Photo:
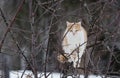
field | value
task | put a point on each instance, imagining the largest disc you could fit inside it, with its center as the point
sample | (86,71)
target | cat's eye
(76,31)
(70,30)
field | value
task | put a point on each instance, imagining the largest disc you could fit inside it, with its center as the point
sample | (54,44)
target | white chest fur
(75,40)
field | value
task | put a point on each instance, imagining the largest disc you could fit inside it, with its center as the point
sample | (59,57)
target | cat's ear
(79,23)
(68,23)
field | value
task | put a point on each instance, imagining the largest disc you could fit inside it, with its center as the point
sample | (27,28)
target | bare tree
(32,31)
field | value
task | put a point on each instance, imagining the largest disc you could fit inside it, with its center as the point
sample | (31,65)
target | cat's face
(73,27)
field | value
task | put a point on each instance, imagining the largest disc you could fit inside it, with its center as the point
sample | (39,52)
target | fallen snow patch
(29,74)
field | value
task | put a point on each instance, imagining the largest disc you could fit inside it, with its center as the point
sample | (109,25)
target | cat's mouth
(73,34)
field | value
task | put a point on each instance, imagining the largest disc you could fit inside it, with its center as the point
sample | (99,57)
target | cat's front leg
(77,62)
(74,58)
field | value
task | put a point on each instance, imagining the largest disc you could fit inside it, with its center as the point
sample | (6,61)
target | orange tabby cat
(74,43)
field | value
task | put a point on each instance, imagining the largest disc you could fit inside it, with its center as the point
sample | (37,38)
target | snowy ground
(28,74)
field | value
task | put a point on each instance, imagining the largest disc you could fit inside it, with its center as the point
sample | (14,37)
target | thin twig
(11,24)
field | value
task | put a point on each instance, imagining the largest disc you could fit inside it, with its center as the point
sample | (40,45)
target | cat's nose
(73,33)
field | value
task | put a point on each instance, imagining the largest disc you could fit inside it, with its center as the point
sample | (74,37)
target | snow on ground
(28,74)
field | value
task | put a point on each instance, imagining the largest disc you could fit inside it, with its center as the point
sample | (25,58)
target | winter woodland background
(31,34)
